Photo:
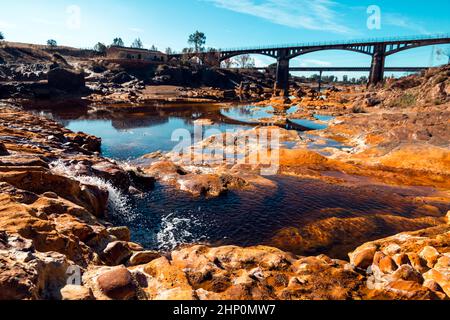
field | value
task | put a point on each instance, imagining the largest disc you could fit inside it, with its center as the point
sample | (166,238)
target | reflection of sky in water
(132,137)
(252,113)
(133,143)
(311,124)
(248,113)
(323,117)
(318,144)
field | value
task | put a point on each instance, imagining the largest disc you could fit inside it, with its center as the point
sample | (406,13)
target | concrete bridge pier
(377,67)
(282,81)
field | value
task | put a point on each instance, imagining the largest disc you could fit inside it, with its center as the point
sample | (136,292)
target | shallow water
(130,134)
(251,113)
(165,218)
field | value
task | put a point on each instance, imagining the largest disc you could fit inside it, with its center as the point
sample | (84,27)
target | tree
(345,79)
(169,51)
(137,43)
(197,40)
(153,48)
(228,63)
(245,61)
(100,48)
(2,37)
(363,80)
(52,43)
(118,42)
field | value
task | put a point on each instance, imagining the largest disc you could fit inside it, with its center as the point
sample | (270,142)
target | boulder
(401,259)
(410,290)
(441,278)
(387,265)
(117,284)
(66,80)
(417,262)
(121,78)
(116,253)
(121,233)
(407,273)
(363,256)
(209,184)
(141,180)
(26,274)
(164,170)
(111,172)
(430,255)
(76,293)
(143,257)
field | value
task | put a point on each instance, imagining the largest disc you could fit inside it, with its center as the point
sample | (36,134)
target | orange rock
(363,256)
(442,278)
(419,157)
(430,255)
(387,265)
(117,284)
(76,293)
(410,290)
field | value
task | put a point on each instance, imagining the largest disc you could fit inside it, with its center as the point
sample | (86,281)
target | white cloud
(6,25)
(262,61)
(301,14)
(136,30)
(314,63)
(44,21)
(398,20)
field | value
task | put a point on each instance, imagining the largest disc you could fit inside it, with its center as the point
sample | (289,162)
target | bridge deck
(358,42)
(338,69)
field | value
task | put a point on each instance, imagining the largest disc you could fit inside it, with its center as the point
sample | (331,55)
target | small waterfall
(118,202)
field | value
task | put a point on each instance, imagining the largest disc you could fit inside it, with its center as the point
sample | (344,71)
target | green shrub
(405,100)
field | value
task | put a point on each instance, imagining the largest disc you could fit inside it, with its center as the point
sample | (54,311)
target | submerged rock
(209,184)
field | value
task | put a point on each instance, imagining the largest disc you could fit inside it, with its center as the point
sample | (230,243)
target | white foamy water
(175,231)
(117,201)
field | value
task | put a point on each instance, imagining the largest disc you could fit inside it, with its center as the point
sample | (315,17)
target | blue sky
(229,23)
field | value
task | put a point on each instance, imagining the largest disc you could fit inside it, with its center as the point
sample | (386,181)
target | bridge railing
(340,42)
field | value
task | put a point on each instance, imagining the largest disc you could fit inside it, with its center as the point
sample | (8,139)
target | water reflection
(166,217)
(131,133)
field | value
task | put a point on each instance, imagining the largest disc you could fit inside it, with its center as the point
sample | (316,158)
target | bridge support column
(282,81)
(378,62)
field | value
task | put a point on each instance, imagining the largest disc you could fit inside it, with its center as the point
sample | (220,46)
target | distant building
(135,55)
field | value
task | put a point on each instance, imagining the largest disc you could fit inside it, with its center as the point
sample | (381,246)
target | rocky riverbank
(57,191)
(54,204)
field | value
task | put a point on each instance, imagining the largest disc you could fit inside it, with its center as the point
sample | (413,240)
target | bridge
(378,49)
(336,69)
